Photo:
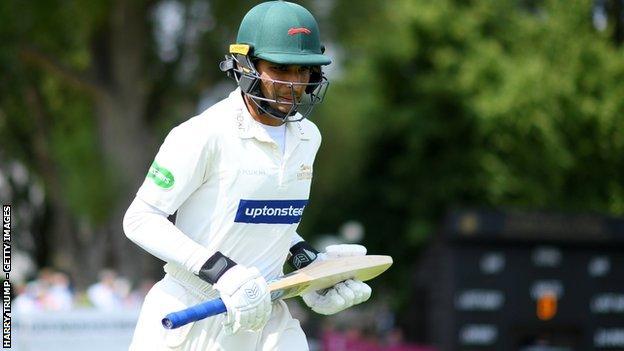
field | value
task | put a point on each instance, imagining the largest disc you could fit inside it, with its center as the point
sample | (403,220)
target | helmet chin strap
(265,108)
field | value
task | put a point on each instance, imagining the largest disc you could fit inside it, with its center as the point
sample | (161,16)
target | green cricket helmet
(284,33)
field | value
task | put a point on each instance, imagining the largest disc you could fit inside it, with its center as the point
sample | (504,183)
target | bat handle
(194,313)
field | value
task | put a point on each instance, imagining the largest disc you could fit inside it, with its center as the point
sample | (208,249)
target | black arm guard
(215,267)
(302,254)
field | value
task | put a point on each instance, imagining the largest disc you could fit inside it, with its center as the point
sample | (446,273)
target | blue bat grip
(203,310)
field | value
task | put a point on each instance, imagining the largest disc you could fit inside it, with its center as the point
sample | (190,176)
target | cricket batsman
(238,175)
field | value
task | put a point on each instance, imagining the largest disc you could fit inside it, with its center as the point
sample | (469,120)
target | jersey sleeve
(179,168)
(296,239)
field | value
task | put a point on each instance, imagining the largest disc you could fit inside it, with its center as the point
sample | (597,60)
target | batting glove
(246,296)
(342,295)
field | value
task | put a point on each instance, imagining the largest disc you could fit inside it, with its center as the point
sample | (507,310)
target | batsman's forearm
(149,228)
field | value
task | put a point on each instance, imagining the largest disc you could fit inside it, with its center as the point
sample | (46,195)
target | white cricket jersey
(278,134)
(233,188)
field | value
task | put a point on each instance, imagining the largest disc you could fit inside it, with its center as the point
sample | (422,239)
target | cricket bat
(316,276)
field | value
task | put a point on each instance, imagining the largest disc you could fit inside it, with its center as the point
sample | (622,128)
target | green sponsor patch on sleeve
(161,176)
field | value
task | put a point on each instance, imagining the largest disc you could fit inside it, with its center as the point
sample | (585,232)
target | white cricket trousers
(174,292)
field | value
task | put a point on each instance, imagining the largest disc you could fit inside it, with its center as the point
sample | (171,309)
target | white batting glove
(246,296)
(342,295)
(343,250)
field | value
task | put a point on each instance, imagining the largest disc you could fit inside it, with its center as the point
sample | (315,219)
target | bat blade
(316,276)
(325,274)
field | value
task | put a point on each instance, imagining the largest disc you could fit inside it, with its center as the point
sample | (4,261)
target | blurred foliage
(64,124)
(434,105)
(446,104)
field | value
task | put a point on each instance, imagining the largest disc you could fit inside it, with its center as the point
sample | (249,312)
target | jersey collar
(248,128)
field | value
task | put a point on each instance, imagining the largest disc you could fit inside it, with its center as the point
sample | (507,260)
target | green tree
(466,103)
(87,94)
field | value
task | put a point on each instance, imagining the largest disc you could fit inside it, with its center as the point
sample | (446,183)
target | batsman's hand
(342,295)
(246,296)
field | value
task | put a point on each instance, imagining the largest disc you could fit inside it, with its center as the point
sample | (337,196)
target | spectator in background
(27,300)
(58,295)
(104,294)
(51,291)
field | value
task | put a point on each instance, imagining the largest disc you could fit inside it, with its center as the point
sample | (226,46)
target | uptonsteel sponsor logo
(270,211)
(267,211)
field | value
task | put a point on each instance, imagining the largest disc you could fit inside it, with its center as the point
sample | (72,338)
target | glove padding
(342,295)
(246,296)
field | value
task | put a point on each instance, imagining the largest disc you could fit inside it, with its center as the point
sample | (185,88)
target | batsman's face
(282,92)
